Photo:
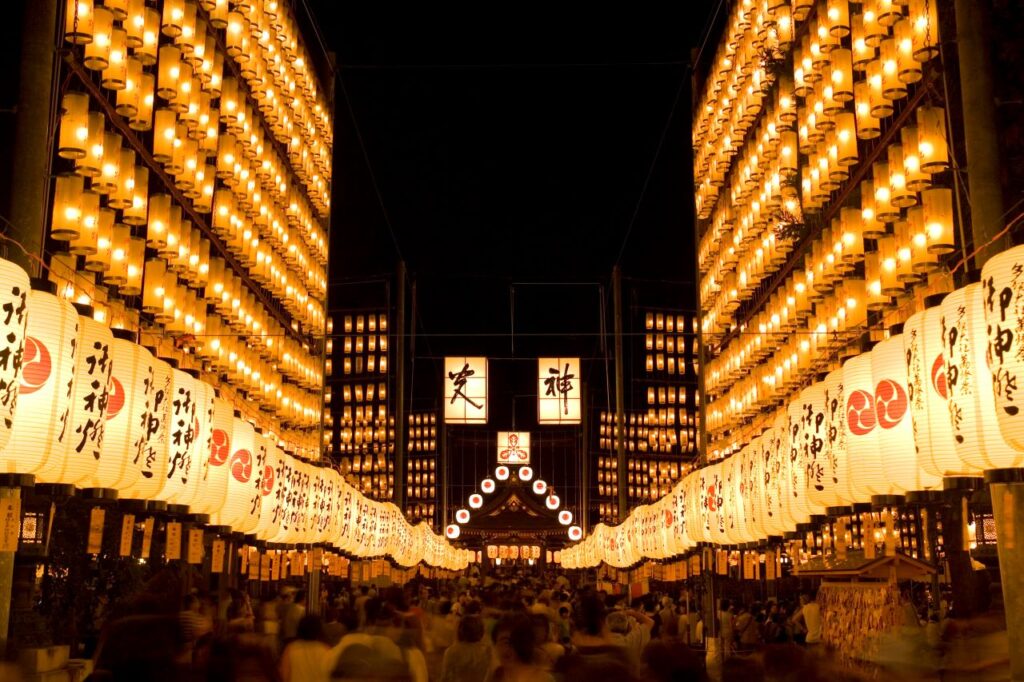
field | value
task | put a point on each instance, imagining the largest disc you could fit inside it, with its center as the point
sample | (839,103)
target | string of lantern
(85,405)
(937,398)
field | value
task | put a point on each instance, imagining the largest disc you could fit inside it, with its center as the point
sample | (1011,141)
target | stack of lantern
(86,406)
(216,219)
(936,399)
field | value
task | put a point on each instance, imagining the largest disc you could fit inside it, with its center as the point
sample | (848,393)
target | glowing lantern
(127,427)
(218,451)
(540,486)
(1004,311)
(153,462)
(928,393)
(462,516)
(273,489)
(182,469)
(525,473)
(501,473)
(807,451)
(487,485)
(835,482)
(565,517)
(85,427)
(453,531)
(863,462)
(44,397)
(553,502)
(973,410)
(575,533)
(895,432)
(237,511)
(476,500)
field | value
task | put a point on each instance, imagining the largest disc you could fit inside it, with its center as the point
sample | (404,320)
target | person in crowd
(547,651)
(632,629)
(748,631)
(807,619)
(513,638)
(669,618)
(293,612)
(240,617)
(595,652)
(304,658)
(469,658)
(443,626)
(726,626)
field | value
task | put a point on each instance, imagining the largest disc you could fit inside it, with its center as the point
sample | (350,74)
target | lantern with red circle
(575,533)
(273,490)
(565,517)
(238,510)
(864,464)
(553,501)
(487,486)
(44,397)
(525,473)
(218,451)
(476,500)
(540,486)
(131,388)
(501,473)
(462,516)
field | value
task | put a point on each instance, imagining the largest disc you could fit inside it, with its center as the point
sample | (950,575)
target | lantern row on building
(85,405)
(772,143)
(201,185)
(937,398)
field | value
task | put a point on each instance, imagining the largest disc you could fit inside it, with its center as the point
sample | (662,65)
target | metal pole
(981,136)
(620,397)
(442,474)
(585,483)
(399,491)
(32,152)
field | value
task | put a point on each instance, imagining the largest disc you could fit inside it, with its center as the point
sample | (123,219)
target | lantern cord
(369,167)
(1009,226)
(650,169)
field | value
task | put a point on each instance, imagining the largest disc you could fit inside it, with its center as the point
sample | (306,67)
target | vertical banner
(10,517)
(173,549)
(265,567)
(769,564)
(275,565)
(254,563)
(868,526)
(147,536)
(127,534)
(217,560)
(298,564)
(243,552)
(96,518)
(195,546)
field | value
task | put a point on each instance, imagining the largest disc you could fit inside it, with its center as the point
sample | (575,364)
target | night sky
(509,151)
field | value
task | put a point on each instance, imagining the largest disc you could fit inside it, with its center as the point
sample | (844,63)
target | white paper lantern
(972,406)
(476,500)
(153,463)
(239,511)
(758,513)
(565,517)
(86,425)
(131,389)
(216,485)
(864,465)
(540,486)
(895,422)
(453,531)
(525,473)
(806,414)
(1004,314)
(747,489)
(501,473)
(837,488)
(38,439)
(462,516)
(776,453)
(273,490)
(14,291)
(203,428)
(575,533)
(553,501)
(929,394)
(183,472)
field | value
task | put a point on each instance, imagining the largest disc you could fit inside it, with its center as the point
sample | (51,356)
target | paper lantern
(462,516)
(39,434)
(476,501)
(835,481)
(776,454)
(747,490)
(217,454)
(553,501)
(501,473)
(91,388)
(153,463)
(540,486)
(273,489)
(863,462)
(525,473)
(565,517)
(14,291)
(179,448)
(487,485)
(806,415)
(239,511)
(127,416)
(928,393)
(575,533)
(1004,312)
(973,412)
(895,428)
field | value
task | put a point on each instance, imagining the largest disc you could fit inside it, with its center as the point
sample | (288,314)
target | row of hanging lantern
(935,399)
(87,406)
(803,133)
(887,41)
(539,487)
(190,44)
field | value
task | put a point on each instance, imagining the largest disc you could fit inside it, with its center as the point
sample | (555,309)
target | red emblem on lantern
(890,403)
(241,465)
(220,447)
(115,401)
(939,376)
(36,366)
(860,413)
(267,485)
(711,498)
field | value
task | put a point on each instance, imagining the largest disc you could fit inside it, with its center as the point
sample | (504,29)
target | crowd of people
(507,629)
